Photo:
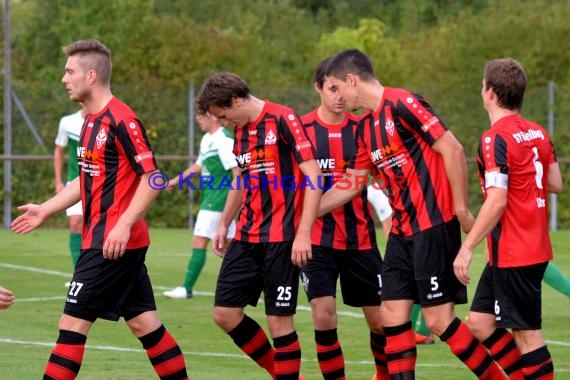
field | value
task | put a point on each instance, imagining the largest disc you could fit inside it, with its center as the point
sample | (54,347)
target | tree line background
(437,48)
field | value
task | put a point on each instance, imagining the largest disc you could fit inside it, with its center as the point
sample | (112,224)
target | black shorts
(420,267)
(359,272)
(250,268)
(109,289)
(513,295)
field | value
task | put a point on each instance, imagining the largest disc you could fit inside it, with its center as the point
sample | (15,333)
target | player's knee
(479,326)
(324,321)
(226,318)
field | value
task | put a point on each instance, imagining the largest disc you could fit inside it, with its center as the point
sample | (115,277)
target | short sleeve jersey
(68,136)
(350,226)
(113,153)
(269,151)
(515,155)
(396,140)
(216,158)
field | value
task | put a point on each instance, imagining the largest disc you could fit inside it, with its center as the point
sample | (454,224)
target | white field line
(226,355)
(198,293)
(36,270)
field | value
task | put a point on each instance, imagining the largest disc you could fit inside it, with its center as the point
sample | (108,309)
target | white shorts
(380,202)
(76,209)
(207,224)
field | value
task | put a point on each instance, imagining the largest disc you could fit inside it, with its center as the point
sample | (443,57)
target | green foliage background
(437,48)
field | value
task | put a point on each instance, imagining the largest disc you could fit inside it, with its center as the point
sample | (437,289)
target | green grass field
(37,265)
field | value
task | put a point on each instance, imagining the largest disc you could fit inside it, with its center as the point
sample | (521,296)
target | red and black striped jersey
(269,151)
(515,155)
(397,138)
(113,153)
(350,226)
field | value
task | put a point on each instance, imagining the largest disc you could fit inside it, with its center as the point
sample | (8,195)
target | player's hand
(466,220)
(6,298)
(172,184)
(116,242)
(32,217)
(220,241)
(301,252)
(461,265)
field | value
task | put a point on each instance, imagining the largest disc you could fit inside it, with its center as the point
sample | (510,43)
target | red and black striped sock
(537,364)
(503,350)
(287,357)
(329,354)
(378,346)
(253,341)
(164,354)
(401,351)
(66,357)
(470,351)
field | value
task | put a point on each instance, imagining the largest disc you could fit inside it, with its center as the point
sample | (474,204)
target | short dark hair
(507,79)
(351,61)
(219,90)
(319,74)
(97,57)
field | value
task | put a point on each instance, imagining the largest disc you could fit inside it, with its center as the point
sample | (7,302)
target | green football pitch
(37,265)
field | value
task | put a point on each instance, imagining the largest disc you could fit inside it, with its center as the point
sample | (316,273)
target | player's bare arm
(456,168)
(301,252)
(231,208)
(58,161)
(34,215)
(194,168)
(487,219)
(555,182)
(116,242)
(343,191)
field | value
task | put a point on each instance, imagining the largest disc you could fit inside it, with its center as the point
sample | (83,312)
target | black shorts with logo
(251,268)
(109,289)
(513,295)
(359,271)
(420,267)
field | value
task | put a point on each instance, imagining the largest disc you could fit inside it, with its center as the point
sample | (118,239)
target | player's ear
(91,76)
(351,79)
(237,101)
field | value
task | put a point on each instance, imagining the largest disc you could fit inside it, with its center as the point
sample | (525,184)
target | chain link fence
(165,113)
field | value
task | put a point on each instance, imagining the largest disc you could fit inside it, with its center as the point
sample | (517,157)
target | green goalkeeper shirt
(216,159)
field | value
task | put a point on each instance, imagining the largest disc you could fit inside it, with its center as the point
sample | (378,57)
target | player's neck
(498,113)
(330,117)
(372,96)
(214,129)
(255,106)
(98,101)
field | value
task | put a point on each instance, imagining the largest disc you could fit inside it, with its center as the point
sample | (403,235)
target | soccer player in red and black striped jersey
(423,167)
(344,240)
(517,167)
(277,196)
(110,279)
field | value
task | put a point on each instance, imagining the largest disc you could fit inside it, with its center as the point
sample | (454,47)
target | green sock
(418,322)
(195,266)
(556,279)
(414,316)
(422,328)
(74,247)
